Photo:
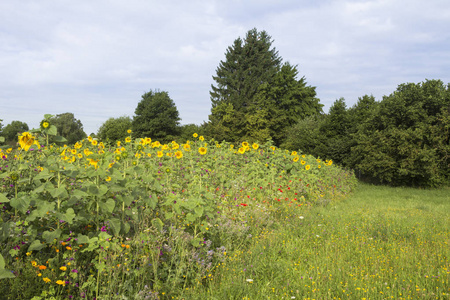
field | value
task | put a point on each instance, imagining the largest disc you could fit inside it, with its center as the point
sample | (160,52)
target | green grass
(379,243)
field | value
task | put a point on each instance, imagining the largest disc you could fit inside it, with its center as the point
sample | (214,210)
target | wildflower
(63,268)
(34,263)
(160,154)
(255,146)
(45,124)
(46,280)
(108,178)
(242,150)
(202,150)
(296,159)
(307,167)
(127,139)
(129,131)
(61,282)
(179,154)
(201,138)
(249,280)
(301,217)
(42,267)
(68,248)
(28,253)
(195,135)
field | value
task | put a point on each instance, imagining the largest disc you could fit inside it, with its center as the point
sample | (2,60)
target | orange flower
(42,267)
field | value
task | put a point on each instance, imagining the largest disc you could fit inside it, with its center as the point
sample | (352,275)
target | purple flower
(103,228)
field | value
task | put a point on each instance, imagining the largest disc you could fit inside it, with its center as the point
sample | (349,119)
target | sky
(96,59)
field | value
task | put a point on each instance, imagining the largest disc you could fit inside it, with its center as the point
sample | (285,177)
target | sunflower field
(141,219)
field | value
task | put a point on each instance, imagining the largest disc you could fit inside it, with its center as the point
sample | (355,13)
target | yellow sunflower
(26,140)
(202,150)
(179,154)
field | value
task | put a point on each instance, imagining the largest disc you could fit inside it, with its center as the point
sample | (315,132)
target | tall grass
(379,243)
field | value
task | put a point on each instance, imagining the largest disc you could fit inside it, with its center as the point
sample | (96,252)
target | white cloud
(96,59)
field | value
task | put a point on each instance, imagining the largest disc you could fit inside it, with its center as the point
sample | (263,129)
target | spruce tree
(256,96)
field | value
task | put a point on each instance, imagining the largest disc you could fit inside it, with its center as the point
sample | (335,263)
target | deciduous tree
(156,116)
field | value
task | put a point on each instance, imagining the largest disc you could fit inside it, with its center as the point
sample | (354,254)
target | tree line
(401,140)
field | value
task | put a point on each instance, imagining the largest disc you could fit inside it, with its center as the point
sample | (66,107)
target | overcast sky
(97,58)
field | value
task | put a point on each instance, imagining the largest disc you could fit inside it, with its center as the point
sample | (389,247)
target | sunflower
(187,147)
(129,131)
(160,154)
(303,162)
(201,138)
(255,146)
(242,150)
(26,140)
(179,154)
(245,144)
(195,135)
(307,167)
(202,150)
(127,139)
(296,159)
(45,124)
(294,153)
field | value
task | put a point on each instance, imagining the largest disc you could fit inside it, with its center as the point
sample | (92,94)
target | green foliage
(256,97)
(68,127)
(87,220)
(11,131)
(114,129)
(2,138)
(405,140)
(187,131)
(156,116)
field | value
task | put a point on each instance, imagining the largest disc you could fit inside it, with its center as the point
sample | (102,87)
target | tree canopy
(115,129)
(156,116)
(11,131)
(256,97)
(68,127)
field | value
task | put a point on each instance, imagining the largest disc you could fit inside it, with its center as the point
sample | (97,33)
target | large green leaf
(36,245)
(50,236)
(108,206)
(114,224)
(3,198)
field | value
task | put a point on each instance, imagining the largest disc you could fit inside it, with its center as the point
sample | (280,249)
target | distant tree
(115,129)
(249,63)
(68,127)
(187,131)
(405,140)
(305,136)
(2,138)
(156,116)
(283,102)
(255,96)
(11,131)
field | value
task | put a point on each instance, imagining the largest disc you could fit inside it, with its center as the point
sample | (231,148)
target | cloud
(96,59)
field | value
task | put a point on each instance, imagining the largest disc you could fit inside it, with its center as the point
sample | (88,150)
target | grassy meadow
(379,243)
(139,219)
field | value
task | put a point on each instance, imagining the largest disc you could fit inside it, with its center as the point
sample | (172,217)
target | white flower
(301,217)
(249,280)
(317,235)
